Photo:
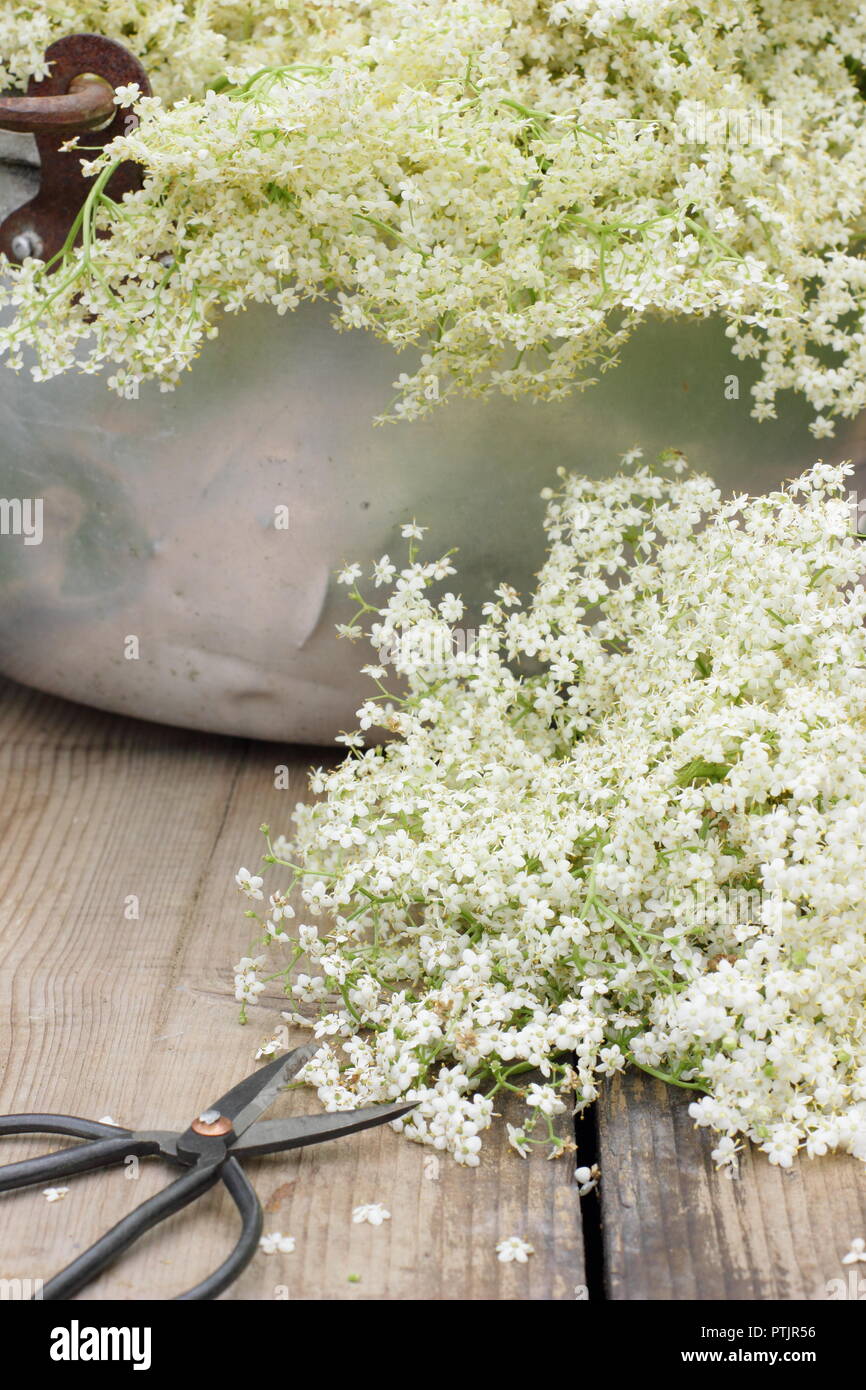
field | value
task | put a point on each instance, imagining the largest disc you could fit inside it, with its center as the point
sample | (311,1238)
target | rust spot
(278,1196)
(80,69)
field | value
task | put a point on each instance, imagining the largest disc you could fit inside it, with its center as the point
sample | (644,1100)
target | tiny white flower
(725,1153)
(127,95)
(587,1179)
(281,908)
(54,1194)
(353,740)
(517,1139)
(383,571)
(374,1214)
(513,1248)
(275,1243)
(507,594)
(822,428)
(451,608)
(251,884)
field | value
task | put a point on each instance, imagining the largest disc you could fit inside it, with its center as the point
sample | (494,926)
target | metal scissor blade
(272,1136)
(251,1097)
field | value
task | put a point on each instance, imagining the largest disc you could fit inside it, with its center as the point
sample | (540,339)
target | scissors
(209,1152)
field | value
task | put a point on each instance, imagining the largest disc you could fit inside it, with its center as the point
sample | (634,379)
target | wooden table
(106,1013)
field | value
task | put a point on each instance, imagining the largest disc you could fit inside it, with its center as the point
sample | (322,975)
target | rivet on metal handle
(76,97)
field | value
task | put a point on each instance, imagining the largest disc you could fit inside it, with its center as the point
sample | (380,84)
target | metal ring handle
(73,1125)
(250,1208)
(103,1252)
(84,71)
(82,1158)
(88,104)
(110,1144)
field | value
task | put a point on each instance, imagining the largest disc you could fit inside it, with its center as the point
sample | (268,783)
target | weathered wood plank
(675,1228)
(134,1018)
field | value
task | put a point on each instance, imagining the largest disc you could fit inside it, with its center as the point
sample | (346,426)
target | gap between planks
(136,1019)
(674,1228)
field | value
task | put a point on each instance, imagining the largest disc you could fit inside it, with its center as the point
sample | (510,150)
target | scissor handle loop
(73,1125)
(110,1144)
(250,1208)
(179,1194)
(126,1232)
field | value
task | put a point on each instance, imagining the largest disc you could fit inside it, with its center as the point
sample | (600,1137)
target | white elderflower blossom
(383,571)
(587,1179)
(645,847)
(726,1154)
(248,986)
(469,180)
(251,884)
(275,1243)
(373,1214)
(513,1249)
(127,95)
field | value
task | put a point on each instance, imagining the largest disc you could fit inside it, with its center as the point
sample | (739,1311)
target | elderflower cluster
(625,825)
(505,187)
(184,44)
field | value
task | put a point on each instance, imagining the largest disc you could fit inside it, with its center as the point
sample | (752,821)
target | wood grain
(135,1018)
(675,1228)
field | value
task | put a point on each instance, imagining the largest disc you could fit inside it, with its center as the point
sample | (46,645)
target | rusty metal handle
(83,74)
(88,104)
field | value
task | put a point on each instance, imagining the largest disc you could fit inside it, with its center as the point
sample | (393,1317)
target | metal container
(164,585)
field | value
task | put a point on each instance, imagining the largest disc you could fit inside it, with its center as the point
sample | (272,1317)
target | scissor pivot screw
(210,1124)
